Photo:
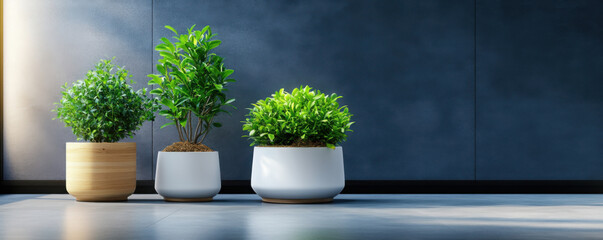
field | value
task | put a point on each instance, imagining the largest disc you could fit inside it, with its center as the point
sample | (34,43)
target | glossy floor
(425,216)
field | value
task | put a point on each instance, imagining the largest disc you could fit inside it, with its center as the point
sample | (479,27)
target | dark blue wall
(440,89)
(405,69)
(539,90)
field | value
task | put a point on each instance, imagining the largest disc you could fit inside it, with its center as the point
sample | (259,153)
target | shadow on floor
(11,198)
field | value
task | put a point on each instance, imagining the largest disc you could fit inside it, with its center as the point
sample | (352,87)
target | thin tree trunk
(204,135)
(190,126)
(207,127)
(198,136)
(197,132)
(179,131)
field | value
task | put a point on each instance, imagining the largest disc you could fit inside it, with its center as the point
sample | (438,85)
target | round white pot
(188,176)
(297,174)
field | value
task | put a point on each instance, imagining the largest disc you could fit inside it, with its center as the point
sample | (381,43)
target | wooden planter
(100,172)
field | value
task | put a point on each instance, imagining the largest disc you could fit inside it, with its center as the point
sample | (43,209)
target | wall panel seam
(475,90)
(152,87)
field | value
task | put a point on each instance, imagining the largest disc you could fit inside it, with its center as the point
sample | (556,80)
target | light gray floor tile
(241,216)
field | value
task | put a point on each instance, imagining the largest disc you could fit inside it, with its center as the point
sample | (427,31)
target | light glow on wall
(48,44)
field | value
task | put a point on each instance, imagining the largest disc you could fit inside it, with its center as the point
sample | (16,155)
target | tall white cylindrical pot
(297,174)
(188,176)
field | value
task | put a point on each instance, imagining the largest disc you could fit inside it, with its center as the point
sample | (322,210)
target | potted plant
(191,84)
(296,159)
(102,109)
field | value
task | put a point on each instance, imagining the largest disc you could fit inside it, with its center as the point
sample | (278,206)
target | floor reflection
(348,217)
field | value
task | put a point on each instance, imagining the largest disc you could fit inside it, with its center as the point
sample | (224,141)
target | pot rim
(188,152)
(100,142)
(286,147)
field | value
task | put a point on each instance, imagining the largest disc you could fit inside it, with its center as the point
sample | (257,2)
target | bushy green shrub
(103,107)
(303,117)
(191,83)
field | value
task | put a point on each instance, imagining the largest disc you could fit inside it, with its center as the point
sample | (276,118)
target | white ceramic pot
(188,176)
(297,174)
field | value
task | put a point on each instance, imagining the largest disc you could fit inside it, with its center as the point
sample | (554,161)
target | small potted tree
(296,159)
(102,109)
(191,84)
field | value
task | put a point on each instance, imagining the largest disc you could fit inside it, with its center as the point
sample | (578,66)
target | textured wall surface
(404,68)
(409,70)
(539,90)
(49,43)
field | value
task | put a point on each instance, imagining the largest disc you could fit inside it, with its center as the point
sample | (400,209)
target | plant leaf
(167,124)
(171,29)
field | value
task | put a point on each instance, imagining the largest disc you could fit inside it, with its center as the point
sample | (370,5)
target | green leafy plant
(303,117)
(191,83)
(103,107)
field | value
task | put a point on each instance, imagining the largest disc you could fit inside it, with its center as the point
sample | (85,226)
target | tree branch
(189,125)
(197,132)
(207,127)
(179,130)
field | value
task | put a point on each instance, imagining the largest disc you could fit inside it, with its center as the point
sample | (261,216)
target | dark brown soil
(187,147)
(300,144)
